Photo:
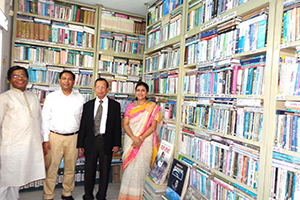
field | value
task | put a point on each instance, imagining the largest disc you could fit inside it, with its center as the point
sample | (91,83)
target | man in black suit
(98,137)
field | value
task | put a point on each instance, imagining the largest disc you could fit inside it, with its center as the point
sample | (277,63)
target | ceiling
(131,6)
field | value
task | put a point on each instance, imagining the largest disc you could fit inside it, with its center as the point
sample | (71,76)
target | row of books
(285,184)
(122,43)
(289,75)
(59,11)
(166,58)
(244,79)
(35,29)
(213,45)
(29,53)
(120,86)
(242,122)
(169,28)
(168,110)
(42,91)
(204,184)
(233,160)
(287,131)
(121,66)
(167,132)
(122,22)
(227,40)
(290,24)
(50,75)
(202,11)
(161,8)
(164,83)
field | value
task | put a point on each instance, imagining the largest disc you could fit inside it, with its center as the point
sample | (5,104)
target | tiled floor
(112,193)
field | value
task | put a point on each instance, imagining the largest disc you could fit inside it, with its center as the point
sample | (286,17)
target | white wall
(6,46)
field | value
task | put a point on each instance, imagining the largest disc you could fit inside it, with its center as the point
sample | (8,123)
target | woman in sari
(140,143)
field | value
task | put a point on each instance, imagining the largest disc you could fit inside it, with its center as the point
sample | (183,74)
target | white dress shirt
(104,113)
(61,113)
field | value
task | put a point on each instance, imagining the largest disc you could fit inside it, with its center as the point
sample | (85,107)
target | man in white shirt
(61,117)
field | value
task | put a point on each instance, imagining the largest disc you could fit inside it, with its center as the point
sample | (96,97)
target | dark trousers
(91,167)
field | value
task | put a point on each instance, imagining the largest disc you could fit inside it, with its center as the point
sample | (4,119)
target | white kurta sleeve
(46,118)
(3,109)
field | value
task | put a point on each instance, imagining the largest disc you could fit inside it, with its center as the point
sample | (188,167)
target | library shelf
(162,70)
(287,98)
(217,173)
(286,152)
(166,16)
(120,32)
(232,137)
(121,54)
(241,10)
(161,45)
(54,19)
(52,44)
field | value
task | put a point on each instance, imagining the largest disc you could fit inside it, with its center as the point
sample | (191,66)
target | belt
(100,135)
(64,134)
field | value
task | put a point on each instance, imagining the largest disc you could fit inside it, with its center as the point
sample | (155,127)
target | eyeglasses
(19,76)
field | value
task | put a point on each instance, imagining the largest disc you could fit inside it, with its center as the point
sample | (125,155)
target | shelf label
(250,96)
(159,46)
(227,17)
(283,45)
(280,97)
(210,24)
(253,51)
(186,35)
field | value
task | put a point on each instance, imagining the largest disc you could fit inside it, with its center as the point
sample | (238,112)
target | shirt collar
(16,89)
(105,99)
(61,92)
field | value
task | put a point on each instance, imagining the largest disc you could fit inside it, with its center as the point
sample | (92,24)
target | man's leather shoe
(67,198)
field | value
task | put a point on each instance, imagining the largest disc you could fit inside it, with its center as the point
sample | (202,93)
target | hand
(46,147)
(136,141)
(81,150)
(115,149)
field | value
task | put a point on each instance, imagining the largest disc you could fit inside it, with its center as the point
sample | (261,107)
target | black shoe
(67,198)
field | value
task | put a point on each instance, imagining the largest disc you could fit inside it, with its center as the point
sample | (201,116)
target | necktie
(98,119)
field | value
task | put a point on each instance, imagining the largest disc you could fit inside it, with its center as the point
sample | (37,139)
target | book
(178,180)
(162,162)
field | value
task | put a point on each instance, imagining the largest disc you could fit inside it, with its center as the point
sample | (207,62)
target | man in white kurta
(21,153)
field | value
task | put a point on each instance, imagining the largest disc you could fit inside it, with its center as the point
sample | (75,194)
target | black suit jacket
(86,135)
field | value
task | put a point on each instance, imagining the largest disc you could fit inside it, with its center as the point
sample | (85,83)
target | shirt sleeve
(128,109)
(46,118)
(3,109)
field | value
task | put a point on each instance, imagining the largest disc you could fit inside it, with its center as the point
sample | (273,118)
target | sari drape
(136,161)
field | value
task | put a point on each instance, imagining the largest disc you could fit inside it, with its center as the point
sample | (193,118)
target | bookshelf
(163,60)
(50,36)
(220,45)
(120,51)
(284,145)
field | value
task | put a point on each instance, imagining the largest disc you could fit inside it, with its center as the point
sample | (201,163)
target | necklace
(141,104)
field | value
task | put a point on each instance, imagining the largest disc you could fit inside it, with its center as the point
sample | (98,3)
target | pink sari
(136,161)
